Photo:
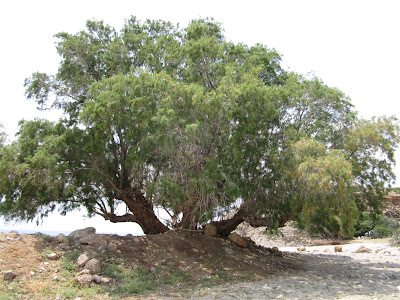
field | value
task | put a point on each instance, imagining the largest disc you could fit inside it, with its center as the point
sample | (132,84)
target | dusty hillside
(175,261)
(188,265)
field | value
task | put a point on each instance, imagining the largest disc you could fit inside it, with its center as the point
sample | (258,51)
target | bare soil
(212,268)
(200,262)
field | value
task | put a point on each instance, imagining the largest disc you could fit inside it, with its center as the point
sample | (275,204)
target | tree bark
(188,220)
(142,213)
(225,227)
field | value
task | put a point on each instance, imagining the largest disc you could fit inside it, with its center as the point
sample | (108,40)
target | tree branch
(117,219)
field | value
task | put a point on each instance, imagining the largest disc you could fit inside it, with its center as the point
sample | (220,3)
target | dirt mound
(195,260)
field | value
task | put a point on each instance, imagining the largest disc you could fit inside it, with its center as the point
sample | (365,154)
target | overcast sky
(352,45)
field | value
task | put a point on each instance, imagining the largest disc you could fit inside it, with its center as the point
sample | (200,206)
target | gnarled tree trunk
(142,213)
(225,227)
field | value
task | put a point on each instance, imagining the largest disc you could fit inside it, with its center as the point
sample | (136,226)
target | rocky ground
(325,274)
(200,267)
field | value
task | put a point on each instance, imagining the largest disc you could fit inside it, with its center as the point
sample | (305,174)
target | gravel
(325,274)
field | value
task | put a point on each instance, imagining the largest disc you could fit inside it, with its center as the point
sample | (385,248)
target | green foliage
(396,238)
(157,115)
(3,136)
(130,281)
(8,296)
(376,226)
(69,292)
(67,262)
(323,189)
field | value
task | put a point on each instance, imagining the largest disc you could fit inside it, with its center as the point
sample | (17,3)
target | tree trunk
(188,221)
(225,227)
(143,213)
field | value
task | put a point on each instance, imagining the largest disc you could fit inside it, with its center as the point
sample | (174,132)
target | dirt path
(345,275)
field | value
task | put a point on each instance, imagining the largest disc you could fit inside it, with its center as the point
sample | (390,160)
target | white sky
(353,45)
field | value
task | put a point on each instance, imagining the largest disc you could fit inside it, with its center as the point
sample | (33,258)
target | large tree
(158,116)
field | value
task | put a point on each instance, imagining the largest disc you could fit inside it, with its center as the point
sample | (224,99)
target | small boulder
(228,250)
(84,280)
(275,251)
(62,238)
(52,256)
(9,275)
(105,280)
(237,240)
(210,230)
(338,248)
(96,279)
(93,240)
(77,234)
(82,260)
(112,247)
(301,249)
(363,249)
(94,266)
(83,272)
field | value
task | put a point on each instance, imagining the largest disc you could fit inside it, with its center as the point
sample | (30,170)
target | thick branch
(259,222)
(225,227)
(117,219)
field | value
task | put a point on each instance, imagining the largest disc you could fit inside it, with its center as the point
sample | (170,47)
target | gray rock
(112,247)
(228,250)
(102,249)
(96,279)
(105,280)
(82,260)
(77,234)
(62,238)
(52,256)
(83,272)
(93,240)
(84,280)
(363,249)
(94,266)
(9,275)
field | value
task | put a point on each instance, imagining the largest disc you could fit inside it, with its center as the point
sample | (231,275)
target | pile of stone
(91,270)
(89,266)
(88,237)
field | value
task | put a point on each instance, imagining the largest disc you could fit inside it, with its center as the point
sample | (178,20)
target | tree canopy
(184,120)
